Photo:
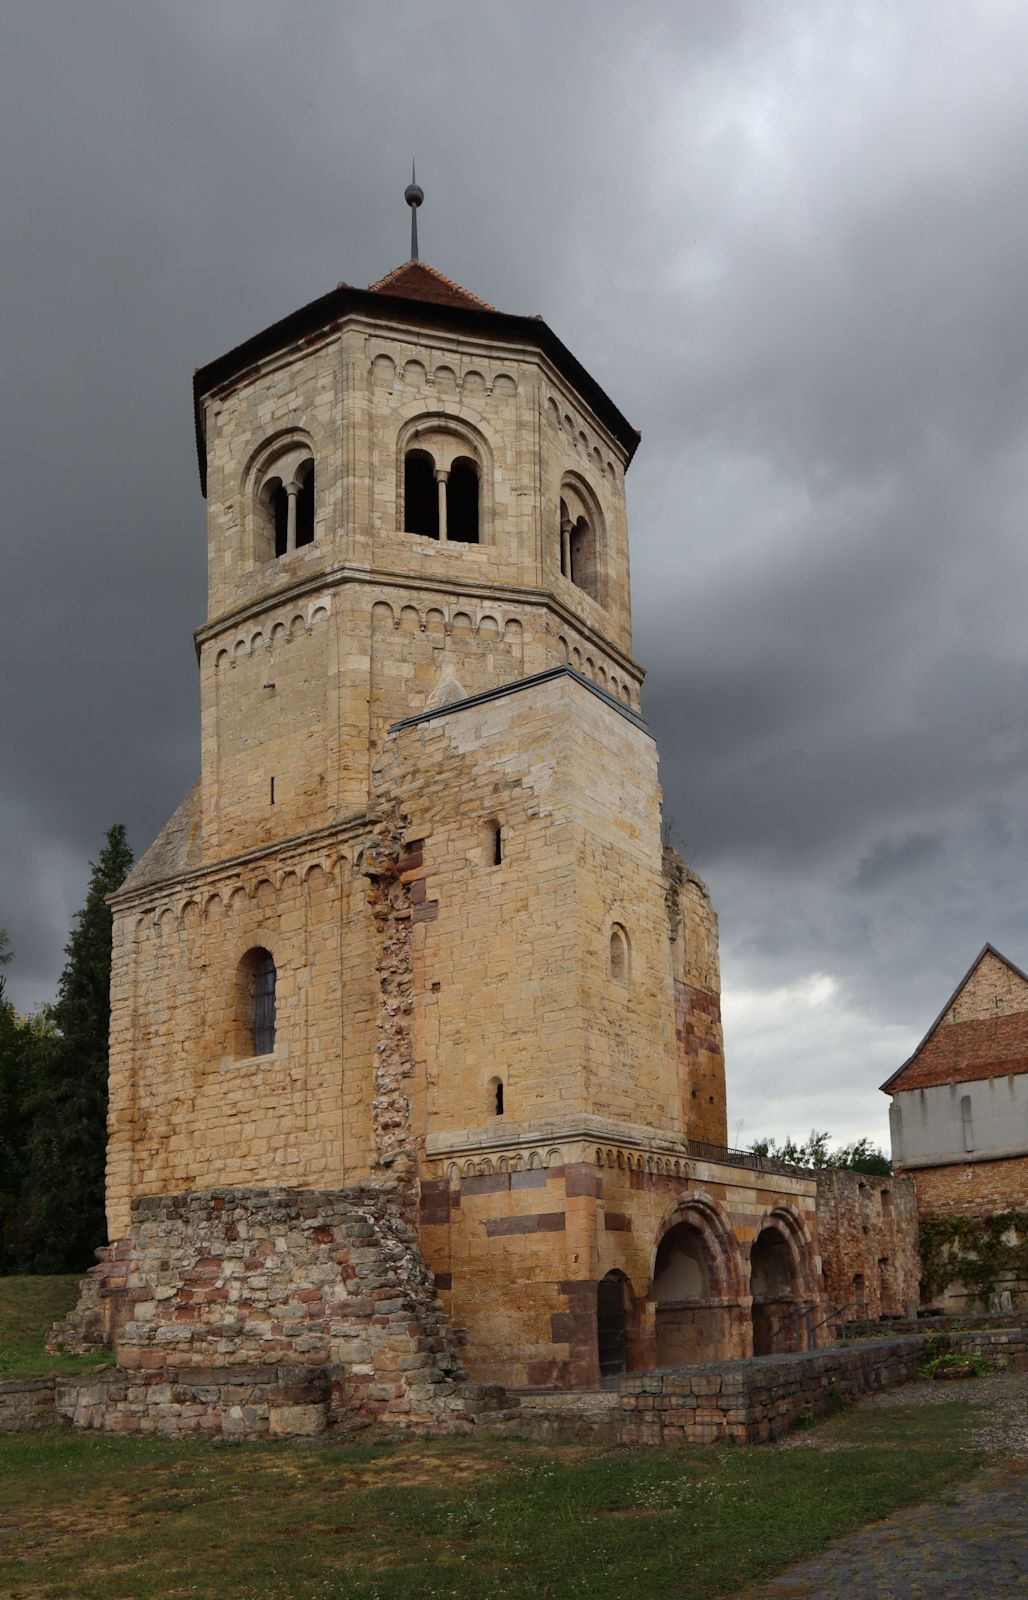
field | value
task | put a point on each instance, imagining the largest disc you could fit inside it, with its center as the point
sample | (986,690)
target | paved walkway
(969,1544)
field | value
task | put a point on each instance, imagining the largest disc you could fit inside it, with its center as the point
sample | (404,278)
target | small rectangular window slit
(272,791)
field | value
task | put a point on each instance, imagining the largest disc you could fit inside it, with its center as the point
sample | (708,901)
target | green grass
(29,1307)
(95,1517)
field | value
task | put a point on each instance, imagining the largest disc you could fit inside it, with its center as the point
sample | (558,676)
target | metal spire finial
(413,194)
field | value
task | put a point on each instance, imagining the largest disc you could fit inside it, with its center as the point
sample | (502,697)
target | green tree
(63,1206)
(12,1111)
(860,1156)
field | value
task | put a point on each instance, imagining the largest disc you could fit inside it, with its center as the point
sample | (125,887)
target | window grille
(264,1005)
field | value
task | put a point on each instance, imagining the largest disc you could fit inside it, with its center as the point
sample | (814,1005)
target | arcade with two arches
(709,1297)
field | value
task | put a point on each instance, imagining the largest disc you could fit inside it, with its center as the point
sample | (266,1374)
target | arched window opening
(256,1009)
(420,495)
(284,504)
(305,506)
(499,1099)
(584,563)
(493,844)
(619,954)
(611,1329)
(462,502)
(276,503)
(494,1097)
(565,540)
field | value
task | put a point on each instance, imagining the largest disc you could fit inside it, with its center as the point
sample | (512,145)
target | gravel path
(970,1544)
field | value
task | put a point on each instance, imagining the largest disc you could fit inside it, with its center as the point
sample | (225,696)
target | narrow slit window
(499,1099)
(493,844)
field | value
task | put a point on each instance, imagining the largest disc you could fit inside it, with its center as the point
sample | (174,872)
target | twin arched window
(441,502)
(285,504)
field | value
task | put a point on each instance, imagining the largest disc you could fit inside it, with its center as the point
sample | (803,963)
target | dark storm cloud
(789,240)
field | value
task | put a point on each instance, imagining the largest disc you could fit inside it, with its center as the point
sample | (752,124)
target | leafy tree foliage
(860,1156)
(62,1093)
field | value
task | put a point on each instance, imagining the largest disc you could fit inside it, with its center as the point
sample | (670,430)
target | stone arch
(382,615)
(583,537)
(454,447)
(280,470)
(697,1284)
(383,370)
(782,1283)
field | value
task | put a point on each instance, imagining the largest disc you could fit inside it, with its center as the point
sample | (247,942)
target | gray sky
(790,240)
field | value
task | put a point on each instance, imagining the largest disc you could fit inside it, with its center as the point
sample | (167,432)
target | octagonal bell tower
(411,497)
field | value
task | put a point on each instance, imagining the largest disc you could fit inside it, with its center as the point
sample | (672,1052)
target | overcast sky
(790,240)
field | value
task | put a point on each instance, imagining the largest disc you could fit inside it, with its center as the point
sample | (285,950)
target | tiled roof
(960,1052)
(416,280)
(954,1051)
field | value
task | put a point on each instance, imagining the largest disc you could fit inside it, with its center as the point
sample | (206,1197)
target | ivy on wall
(979,1251)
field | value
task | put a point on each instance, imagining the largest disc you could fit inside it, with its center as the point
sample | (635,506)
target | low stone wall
(1002,1347)
(752,1401)
(26,1403)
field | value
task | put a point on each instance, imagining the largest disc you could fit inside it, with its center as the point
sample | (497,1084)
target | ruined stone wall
(867,1227)
(273,1310)
(697,996)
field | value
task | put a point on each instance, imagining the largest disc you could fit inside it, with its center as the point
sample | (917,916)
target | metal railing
(704,1150)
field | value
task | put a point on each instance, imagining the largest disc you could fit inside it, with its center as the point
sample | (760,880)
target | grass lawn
(94,1517)
(29,1307)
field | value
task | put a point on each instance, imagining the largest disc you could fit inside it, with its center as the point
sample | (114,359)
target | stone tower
(415,928)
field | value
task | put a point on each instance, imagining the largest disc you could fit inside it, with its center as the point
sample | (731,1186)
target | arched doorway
(693,1321)
(776,1321)
(611,1327)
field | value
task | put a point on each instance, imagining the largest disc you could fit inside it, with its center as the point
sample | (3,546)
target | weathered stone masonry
(273,1312)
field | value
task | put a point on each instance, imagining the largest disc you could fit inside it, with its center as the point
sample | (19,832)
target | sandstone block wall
(190,1105)
(512,962)
(520,1239)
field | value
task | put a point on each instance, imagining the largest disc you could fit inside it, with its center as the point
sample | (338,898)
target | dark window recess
(462,503)
(611,1338)
(497,844)
(305,509)
(280,512)
(499,1099)
(264,1004)
(420,495)
(273,791)
(564,547)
